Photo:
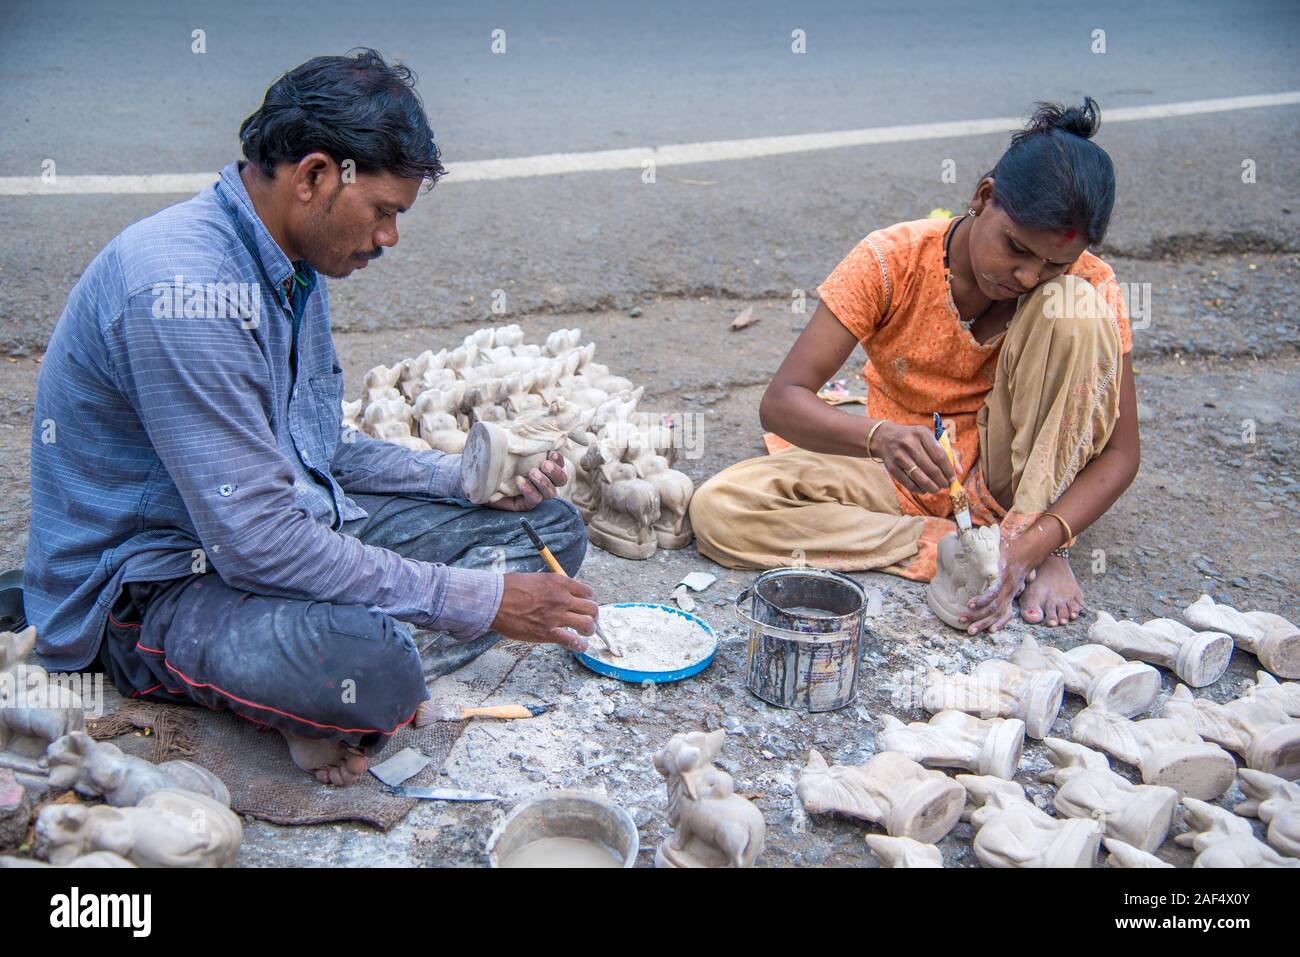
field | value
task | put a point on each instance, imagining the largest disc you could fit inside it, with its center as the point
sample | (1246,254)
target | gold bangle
(871,435)
(1069,533)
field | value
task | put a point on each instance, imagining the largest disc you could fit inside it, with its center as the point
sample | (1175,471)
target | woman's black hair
(1053,177)
(355,107)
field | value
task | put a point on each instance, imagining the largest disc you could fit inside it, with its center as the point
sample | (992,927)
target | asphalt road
(114,88)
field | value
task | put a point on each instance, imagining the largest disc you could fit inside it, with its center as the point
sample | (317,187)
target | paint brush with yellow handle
(429,712)
(960,507)
(556,567)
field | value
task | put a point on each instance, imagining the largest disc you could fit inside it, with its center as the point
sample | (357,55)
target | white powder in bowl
(651,639)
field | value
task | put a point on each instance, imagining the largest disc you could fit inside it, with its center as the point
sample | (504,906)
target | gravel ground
(1219,361)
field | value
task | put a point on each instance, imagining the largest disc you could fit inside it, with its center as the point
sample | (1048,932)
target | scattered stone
(16,806)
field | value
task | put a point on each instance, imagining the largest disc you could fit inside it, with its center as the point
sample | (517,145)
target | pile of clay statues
(137,814)
(504,404)
(1182,755)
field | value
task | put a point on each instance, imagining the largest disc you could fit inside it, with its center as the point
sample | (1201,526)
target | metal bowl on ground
(583,815)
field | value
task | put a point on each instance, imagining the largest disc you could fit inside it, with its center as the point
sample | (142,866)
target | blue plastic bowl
(658,677)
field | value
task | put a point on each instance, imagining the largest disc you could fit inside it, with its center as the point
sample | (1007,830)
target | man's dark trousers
(315,669)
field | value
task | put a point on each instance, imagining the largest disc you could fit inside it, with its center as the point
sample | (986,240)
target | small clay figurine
(33,710)
(999,689)
(967,567)
(1012,832)
(352,415)
(390,420)
(100,769)
(1137,814)
(1270,638)
(496,455)
(1126,856)
(426,371)
(903,852)
(1198,658)
(381,384)
(713,826)
(562,340)
(1167,751)
(1222,840)
(953,739)
(625,513)
(1261,725)
(673,527)
(980,787)
(891,790)
(166,829)
(1103,678)
(1276,802)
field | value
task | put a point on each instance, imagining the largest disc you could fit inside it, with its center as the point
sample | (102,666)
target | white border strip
(553,164)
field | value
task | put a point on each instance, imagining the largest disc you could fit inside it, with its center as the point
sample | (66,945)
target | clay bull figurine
(715,827)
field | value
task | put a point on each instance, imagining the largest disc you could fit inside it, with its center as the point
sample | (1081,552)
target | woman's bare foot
(1052,596)
(330,761)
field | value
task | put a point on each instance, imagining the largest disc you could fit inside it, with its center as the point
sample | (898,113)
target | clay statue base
(695,854)
(485,461)
(1127,689)
(622,547)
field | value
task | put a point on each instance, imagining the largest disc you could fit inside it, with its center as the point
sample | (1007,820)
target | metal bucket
(805,637)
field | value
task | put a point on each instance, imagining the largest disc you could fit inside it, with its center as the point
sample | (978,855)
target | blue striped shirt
(187,419)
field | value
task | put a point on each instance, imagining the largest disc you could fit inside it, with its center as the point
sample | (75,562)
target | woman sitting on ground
(1002,322)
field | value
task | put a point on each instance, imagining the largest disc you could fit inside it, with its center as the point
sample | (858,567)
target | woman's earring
(970,210)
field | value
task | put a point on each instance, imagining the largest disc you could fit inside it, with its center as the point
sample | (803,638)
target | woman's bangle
(871,435)
(1069,533)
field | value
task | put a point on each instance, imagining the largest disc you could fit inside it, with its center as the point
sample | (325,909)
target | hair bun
(1082,121)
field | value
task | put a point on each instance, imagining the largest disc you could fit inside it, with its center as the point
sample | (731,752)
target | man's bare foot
(330,761)
(1052,596)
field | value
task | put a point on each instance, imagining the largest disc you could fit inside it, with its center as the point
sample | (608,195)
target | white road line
(551,164)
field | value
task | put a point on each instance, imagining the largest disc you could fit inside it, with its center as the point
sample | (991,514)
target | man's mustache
(379,251)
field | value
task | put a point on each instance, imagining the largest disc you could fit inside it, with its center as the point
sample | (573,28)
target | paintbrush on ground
(431,712)
(960,506)
(556,567)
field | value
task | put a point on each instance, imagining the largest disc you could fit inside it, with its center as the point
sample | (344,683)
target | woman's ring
(911,470)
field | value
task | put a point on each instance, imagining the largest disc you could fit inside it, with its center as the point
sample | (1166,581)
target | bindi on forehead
(1067,237)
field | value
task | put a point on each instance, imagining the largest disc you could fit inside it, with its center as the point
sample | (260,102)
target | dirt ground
(1212,510)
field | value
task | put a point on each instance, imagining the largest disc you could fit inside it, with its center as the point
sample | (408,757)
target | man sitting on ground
(201,523)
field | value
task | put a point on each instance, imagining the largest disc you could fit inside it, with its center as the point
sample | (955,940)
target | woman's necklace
(947,276)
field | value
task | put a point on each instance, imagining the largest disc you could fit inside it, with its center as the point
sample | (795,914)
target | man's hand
(546,608)
(540,483)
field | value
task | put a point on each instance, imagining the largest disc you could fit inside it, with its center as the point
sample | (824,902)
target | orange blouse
(891,293)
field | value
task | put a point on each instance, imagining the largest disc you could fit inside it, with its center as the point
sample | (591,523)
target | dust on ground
(1213,509)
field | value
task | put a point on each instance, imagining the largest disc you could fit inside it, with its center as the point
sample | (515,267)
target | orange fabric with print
(891,292)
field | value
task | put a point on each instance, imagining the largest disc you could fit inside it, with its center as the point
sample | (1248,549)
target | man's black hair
(1053,176)
(356,107)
